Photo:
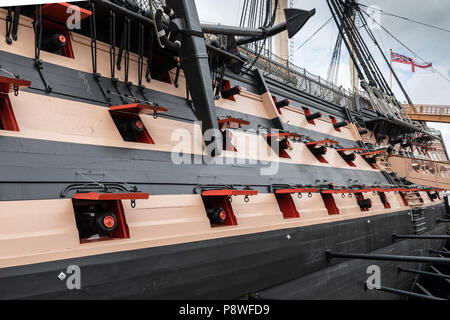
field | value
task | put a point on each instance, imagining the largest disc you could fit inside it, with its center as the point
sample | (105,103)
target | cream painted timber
(250,146)
(426,199)
(360,163)
(248,103)
(394,200)
(30,227)
(54,119)
(399,165)
(377,205)
(269,105)
(311,208)
(347,206)
(264,107)
(335,159)
(255,147)
(41,243)
(261,210)
(403,167)
(167,216)
(81,46)
(301,153)
(296,116)
(172,135)
(50,118)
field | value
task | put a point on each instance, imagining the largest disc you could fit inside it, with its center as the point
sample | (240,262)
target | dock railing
(422,171)
(426,112)
(279,69)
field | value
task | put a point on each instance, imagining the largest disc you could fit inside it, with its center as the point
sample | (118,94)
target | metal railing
(422,171)
(299,78)
(283,70)
(427,109)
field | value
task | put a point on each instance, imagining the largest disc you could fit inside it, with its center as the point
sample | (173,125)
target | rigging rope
(406,47)
(313,35)
(333,69)
(404,18)
(259,14)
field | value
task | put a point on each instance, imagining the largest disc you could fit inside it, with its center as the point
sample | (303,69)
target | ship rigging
(109,163)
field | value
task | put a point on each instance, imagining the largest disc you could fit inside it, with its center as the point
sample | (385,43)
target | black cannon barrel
(313,116)
(363,131)
(340,124)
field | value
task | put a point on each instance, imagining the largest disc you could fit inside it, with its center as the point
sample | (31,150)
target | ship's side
(273,242)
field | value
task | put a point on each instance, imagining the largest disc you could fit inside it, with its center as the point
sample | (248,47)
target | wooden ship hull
(64,153)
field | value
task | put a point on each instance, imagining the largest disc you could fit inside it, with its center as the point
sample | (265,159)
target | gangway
(428,112)
(422,171)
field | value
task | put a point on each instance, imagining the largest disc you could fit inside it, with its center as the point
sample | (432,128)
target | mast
(390,69)
(282,39)
(354,78)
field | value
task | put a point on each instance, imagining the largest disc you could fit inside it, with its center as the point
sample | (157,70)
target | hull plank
(174,244)
(234,266)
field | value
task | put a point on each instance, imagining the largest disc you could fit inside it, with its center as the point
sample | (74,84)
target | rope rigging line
(313,35)
(333,69)
(404,18)
(401,43)
(259,14)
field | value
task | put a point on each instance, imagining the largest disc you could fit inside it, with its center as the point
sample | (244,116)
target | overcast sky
(430,44)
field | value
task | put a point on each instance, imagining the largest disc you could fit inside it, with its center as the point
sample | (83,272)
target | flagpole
(390,69)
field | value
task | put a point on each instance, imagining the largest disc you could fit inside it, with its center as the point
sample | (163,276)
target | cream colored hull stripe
(45,230)
(255,105)
(84,123)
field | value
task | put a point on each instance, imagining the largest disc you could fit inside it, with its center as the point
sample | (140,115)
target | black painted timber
(41,169)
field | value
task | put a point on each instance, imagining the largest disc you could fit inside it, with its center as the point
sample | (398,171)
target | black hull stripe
(231,267)
(41,169)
